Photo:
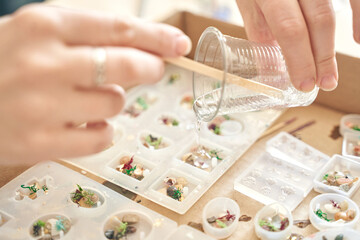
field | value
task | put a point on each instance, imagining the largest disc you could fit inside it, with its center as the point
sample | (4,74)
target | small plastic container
(348,233)
(215,207)
(257,62)
(338,163)
(272,210)
(350,141)
(321,224)
(346,121)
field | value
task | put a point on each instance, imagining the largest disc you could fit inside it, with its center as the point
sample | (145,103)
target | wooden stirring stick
(230,78)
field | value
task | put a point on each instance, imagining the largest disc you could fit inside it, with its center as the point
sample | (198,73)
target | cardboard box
(346,98)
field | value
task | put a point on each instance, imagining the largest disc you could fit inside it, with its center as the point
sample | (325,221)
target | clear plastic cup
(257,62)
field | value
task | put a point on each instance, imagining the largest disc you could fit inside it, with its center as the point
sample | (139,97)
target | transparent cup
(262,63)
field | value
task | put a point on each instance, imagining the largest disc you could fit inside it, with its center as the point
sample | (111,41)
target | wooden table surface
(317,135)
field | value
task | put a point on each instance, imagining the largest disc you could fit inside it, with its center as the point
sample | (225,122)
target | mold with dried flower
(129,225)
(50,227)
(154,142)
(130,167)
(223,220)
(275,223)
(175,188)
(140,105)
(343,180)
(205,158)
(33,189)
(224,126)
(333,211)
(86,198)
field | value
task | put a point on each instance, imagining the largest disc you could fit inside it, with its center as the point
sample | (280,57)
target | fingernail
(328,83)
(308,85)
(183,45)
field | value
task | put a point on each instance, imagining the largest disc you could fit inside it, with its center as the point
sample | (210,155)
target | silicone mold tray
(86,223)
(279,174)
(17,215)
(171,98)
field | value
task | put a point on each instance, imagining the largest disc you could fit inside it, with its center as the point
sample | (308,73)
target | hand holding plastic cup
(261,63)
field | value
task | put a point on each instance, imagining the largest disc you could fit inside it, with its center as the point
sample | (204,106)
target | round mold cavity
(215,207)
(144,227)
(54,225)
(271,210)
(101,201)
(322,199)
(228,128)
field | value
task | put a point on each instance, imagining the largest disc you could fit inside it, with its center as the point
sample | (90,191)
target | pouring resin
(256,62)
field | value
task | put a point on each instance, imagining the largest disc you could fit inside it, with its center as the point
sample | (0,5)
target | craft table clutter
(58,204)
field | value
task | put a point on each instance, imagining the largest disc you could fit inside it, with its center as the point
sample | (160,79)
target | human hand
(305,31)
(47,76)
(355,5)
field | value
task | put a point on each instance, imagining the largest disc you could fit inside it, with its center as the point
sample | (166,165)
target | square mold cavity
(264,187)
(160,145)
(34,189)
(130,180)
(210,157)
(4,218)
(295,151)
(350,141)
(158,190)
(340,164)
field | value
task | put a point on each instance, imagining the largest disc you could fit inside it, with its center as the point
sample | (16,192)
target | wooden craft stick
(203,69)
(277,127)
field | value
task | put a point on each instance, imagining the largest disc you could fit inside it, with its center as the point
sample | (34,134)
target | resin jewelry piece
(153,142)
(215,125)
(333,211)
(202,157)
(275,223)
(342,180)
(124,228)
(175,188)
(135,170)
(53,228)
(85,198)
(187,102)
(33,189)
(222,221)
(140,105)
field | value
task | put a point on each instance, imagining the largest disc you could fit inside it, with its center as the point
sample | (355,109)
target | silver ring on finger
(99,57)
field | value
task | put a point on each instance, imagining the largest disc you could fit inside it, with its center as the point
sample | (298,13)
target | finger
(80,141)
(287,23)
(355,5)
(126,67)
(320,19)
(256,27)
(90,28)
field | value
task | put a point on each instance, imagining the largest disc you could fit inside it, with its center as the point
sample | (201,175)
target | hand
(47,75)
(355,5)
(305,31)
